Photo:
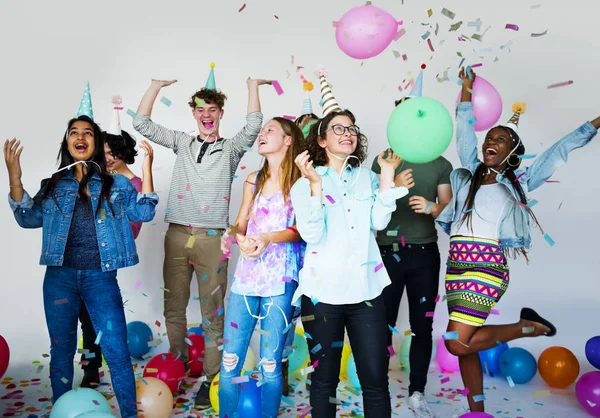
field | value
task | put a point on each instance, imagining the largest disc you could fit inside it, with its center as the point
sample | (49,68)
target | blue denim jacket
(115,239)
(514,227)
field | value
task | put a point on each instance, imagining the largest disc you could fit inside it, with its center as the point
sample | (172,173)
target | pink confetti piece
(437,299)
(402,241)
(552,181)
(378,267)
(336,24)
(331,200)
(494,312)
(315,364)
(180,196)
(240,379)
(291,228)
(225,256)
(288,117)
(430,44)
(464,392)
(445,380)
(277,87)
(286,279)
(157,323)
(520,175)
(391,351)
(404,57)
(215,291)
(401,32)
(188,187)
(264,210)
(304,412)
(564,83)
(477,65)
(61,301)
(429,314)
(511,27)
(138,284)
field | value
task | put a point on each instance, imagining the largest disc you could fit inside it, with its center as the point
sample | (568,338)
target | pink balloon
(588,393)
(446,361)
(487,104)
(4,356)
(476,415)
(365,31)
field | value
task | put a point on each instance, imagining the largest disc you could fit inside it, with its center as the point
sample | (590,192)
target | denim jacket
(514,227)
(115,239)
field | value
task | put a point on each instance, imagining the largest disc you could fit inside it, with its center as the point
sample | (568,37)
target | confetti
(215,291)
(157,323)
(528,330)
(199,102)
(511,27)
(138,284)
(277,87)
(307,318)
(165,101)
(430,45)
(205,276)
(404,57)
(397,257)
(64,380)
(541,393)
(510,381)
(336,24)
(526,156)
(240,379)
(402,241)
(423,299)
(437,298)
(288,117)
(407,333)
(394,330)
(494,312)
(562,84)
(131,113)
(98,337)
(456,26)
(429,314)
(242,8)
(392,233)
(331,200)
(549,240)
(532,203)
(451,335)
(378,267)
(479,398)
(316,348)
(188,341)
(190,242)
(401,32)
(425,35)
(391,351)
(369,304)
(429,13)
(445,380)
(537,35)
(448,13)
(276,17)
(61,301)
(337,344)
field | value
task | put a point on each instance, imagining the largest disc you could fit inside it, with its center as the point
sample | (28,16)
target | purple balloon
(588,393)
(592,351)
(476,415)
(365,31)
(487,104)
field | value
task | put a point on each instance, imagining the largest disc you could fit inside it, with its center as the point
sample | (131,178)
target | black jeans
(366,327)
(89,337)
(418,270)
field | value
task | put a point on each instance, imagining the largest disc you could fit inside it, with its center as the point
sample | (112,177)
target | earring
(517,163)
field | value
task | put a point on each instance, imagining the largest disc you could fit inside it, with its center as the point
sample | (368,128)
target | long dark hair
(318,131)
(122,146)
(513,163)
(65,158)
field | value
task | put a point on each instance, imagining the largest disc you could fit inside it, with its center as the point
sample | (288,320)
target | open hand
(148,155)
(467,81)
(392,161)
(163,83)
(257,81)
(12,157)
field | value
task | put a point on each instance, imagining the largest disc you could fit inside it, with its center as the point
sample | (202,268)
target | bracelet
(428,207)
(11,186)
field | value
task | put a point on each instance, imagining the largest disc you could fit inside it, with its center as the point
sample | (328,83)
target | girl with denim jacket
(266,273)
(487,219)
(84,213)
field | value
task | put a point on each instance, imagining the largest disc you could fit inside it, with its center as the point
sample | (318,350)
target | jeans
(275,314)
(367,331)
(64,290)
(93,360)
(418,270)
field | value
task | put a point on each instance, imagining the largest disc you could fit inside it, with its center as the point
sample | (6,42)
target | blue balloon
(592,351)
(250,401)
(79,401)
(518,364)
(352,373)
(138,336)
(196,330)
(96,415)
(491,359)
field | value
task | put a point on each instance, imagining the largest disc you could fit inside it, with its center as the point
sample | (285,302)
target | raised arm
(386,193)
(466,140)
(146,127)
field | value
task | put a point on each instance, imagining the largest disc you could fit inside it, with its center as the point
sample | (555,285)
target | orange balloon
(558,367)
(154,398)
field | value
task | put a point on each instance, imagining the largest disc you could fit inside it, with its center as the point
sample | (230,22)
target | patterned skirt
(476,278)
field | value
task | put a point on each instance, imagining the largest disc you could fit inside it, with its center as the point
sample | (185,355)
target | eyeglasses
(341,129)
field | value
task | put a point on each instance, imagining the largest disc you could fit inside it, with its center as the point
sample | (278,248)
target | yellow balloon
(346,352)
(154,398)
(250,361)
(213,393)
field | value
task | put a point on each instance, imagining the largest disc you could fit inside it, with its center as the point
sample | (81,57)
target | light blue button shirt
(343,264)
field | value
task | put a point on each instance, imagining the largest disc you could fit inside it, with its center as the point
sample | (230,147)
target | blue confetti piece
(532,203)
(394,330)
(168,211)
(98,337)
(90,355)
(287,400)
(337,344)
(314,300)
(235,177)
(113,196)
(549,240)
(109,325)
(469,210)
(196,298)
(461,63)
(469,74)
(247,148)
(165,101)
(316,348)
(422,300)
(131,113)
(479,398)
(369,263)
(211,232)
(287,328)
(425,35)
(397,257)
(164,357)
(219,269)
(220,312)
(308,336)
(205,276)
(452,335)
(526,156)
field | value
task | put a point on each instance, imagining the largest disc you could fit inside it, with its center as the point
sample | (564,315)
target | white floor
(24,393)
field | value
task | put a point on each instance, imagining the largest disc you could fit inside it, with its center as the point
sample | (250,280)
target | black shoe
(91,378)
(202,400)
(530,315)
(284,376)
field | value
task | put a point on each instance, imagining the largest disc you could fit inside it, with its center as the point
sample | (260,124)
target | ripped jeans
(241,317)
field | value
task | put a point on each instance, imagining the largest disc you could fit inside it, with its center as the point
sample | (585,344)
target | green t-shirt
(416,228)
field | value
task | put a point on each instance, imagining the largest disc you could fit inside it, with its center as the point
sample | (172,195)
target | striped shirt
(199,192)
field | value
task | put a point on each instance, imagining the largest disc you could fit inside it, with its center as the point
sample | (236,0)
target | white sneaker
(419,406)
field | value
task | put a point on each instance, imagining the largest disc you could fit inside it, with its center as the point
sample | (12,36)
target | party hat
(115,122)
(307,104)
(85,108)
(518,109)
(417,91)
(328,102)
(210,83)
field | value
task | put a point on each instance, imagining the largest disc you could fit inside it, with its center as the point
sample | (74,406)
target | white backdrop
(50,49)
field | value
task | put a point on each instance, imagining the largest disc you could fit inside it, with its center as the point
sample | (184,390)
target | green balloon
(419,130)
(404,354)
(306,129)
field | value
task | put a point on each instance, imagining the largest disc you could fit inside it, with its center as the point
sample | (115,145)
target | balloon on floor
(196,330)
(250,360)
(346,352)
(154,398)
(196,354)
(446,361)
(592,352)
(4,356)
(299,356)
(167,368)
(476,415)
(518,364)
(352,373)
(403,353)
(490,359)
(365,31)
(79,401)
(249,404)
(588,393)
(213,392)
(139,335)
(558,367)
(97,414)
(487,104)
(420,129)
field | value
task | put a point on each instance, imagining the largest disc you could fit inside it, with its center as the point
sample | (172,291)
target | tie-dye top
(280,263)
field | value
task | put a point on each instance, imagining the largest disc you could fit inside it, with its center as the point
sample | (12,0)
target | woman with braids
(488,219)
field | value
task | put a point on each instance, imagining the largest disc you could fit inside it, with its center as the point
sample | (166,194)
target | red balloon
(196,354)
(167,368)
(4,356)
